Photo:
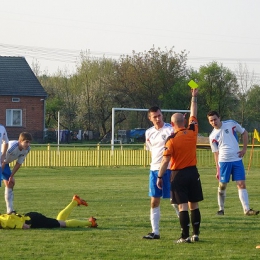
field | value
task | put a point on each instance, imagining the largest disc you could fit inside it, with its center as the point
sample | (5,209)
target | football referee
(180,151)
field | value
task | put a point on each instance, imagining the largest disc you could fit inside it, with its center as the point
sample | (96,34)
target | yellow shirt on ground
(12,221)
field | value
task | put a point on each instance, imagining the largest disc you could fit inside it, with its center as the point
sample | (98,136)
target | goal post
(114,109)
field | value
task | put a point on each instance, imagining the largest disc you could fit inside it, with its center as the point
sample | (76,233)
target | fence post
(98,154)
(49,155)
(144,155)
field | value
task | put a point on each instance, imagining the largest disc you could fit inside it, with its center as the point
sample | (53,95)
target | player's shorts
(37,220)
(154,191)
(1,176)
(6,173)
(236,169)
(186,186)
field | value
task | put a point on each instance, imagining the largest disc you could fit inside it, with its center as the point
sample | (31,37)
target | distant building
(22,99)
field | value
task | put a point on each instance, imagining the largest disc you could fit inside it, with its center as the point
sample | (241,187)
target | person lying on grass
(38,220)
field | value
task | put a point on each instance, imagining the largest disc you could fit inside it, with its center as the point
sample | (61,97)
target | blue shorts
(6,173)
(236,169)
(1,177)
(154,191)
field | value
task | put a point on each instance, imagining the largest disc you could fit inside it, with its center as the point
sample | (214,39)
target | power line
(72,56)
(52,54)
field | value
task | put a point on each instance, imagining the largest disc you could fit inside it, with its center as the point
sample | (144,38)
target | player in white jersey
(228,158)
(155,140)
(17,150)
(4,143)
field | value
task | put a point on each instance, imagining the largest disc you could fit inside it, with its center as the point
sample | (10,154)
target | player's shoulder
(13,144)
(229,122)
(213,133)
(2,127)
(150,129)
(167,125)
(167,129)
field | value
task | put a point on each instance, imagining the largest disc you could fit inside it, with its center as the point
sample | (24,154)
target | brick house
(22,99)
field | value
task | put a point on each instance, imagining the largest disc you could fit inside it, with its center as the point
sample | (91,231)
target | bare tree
(245,81)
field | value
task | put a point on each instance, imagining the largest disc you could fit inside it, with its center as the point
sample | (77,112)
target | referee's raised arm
(193,106)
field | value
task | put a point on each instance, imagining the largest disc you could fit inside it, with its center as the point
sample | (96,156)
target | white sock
(243,196)
(155,219)
(9,199)
(175,206)
(221,198)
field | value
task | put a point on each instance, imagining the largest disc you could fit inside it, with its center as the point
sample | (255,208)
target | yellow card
(193,84)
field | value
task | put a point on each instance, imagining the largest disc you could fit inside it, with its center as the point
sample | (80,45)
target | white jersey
(3,137)
(225,141)
(155,141)
(14,153)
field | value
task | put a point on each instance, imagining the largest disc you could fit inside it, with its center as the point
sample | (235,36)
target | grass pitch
(118,198)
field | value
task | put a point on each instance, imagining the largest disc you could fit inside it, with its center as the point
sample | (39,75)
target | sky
(52,33)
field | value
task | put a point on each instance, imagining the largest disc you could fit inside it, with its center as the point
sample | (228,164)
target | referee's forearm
(163,167)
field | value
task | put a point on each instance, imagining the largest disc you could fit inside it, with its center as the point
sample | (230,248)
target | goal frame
(114,109)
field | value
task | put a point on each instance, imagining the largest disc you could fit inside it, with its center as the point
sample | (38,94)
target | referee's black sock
(195,221)
(185,224)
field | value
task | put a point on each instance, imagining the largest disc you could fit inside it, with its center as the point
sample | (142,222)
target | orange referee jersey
(181,146)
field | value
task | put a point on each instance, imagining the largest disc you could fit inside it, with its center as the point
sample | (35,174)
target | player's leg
(225,169)
(9,195)
(74,223)
(1,177)
(195,221)
(243,195)
(155,193)
(166,190)
(184,219)
(180,197)
(195,195)
(76,201)
(176,208)
(239,176)
(155,214)
(221,197)
(38,220)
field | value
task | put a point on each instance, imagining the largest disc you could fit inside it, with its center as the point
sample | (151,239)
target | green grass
(117,196)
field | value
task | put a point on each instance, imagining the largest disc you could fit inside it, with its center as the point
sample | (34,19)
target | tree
(63,92)
(253,103)
(97,98)
(141,80)
(245,83)
(156,73)
(219,88)
(36,68)
(146,79)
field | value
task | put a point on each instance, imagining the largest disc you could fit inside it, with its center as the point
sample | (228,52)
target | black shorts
(37,220)
(186,186)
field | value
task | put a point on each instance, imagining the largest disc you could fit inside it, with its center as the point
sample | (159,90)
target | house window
(13,117)
(14,99)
